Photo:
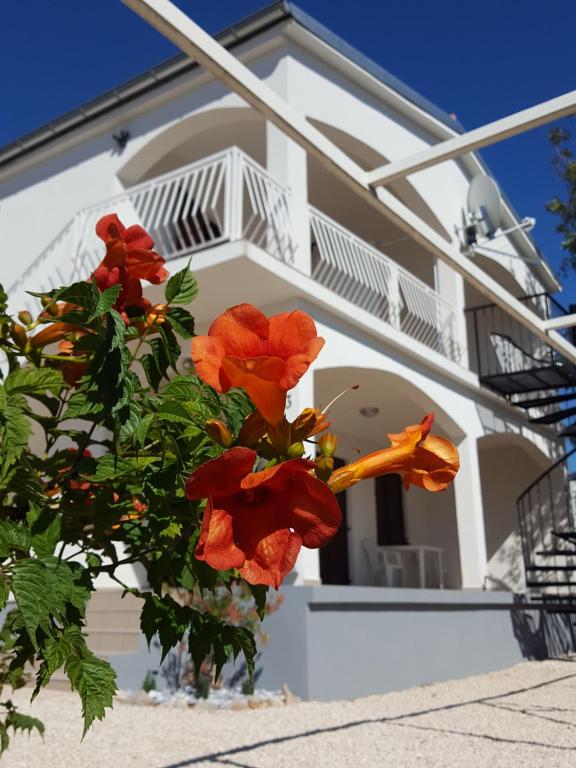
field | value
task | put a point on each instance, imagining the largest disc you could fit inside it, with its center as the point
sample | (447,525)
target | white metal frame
(192,40)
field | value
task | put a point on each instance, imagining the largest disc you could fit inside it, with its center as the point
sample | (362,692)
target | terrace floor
(523,715)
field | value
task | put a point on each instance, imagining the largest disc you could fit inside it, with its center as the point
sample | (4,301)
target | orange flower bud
(253,430)
(219,432)
(51,334)
(18,334)
(280,436)
(25,317)
(295,451)
(327,445)
(324,468)
(303,424)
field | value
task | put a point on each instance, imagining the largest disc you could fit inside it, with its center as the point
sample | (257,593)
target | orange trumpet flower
(421,459)
(264,356)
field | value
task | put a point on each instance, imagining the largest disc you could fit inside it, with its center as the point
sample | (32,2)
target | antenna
(483,214)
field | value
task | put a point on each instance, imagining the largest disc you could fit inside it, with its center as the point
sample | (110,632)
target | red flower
(129,259)
(264,356)
(257,521)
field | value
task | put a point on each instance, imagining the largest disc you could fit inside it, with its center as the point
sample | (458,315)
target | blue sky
(480,60)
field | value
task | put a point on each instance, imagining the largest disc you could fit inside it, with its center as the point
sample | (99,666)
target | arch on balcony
(509,463)
(195,137)
(427,519)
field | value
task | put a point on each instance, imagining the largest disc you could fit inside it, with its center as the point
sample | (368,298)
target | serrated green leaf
(95,681)
(19,722)
(31,595)
(31,381)
(141,431)
(181,321)
(259,593)
(165,617)
(15,429)
(171,346)
(81,294)
(106,301)
(243,640)
(182,287)
(13,537)
(84,403)
(112,467)
(152,372)
(45,527)
(4,591)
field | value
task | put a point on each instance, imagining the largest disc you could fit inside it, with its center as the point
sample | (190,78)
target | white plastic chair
(386,565)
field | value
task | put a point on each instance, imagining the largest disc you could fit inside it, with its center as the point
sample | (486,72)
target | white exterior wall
(85,168)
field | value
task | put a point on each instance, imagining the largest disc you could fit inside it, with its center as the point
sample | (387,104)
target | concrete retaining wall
(344,642)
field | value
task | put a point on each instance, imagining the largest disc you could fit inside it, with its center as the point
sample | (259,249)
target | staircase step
(566,535)
(566,568)
(545,584)
(552,418)
(557,553)
(537,402)
(569,431)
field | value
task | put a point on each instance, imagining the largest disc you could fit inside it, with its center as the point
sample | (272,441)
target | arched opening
(344,206)
(414,531)
(508,464)
(196,137)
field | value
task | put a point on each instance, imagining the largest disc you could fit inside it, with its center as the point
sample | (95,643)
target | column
(470,516)
(307,568)
(287,164)
(450,286)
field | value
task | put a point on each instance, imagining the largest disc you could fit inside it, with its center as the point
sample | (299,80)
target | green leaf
(171,346)
(243,640)
(259,593)
(32,597)
(95,681)
(82,294)
(152,372)
(181,321)
(111,467)
(45,527)
(4,592)
(15,429)
(19,722)
(106,301)
(30,381)
(141,431)
(13,536)
(84,403)
(181,288)
(165,617)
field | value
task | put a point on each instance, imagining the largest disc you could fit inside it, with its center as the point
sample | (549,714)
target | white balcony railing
(221,198)
(229,197)
(366,277)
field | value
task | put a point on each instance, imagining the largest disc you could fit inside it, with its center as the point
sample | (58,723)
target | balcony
(228,197)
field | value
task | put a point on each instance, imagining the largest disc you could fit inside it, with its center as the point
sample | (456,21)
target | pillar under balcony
(450,286)
(307,569)
(287,163)
(470,516)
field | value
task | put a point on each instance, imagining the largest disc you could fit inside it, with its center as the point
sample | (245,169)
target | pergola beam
(491,133)
(192,40)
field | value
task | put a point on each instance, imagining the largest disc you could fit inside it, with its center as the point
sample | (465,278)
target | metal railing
(228,197)
(546,521)
(366,277)
(218,199)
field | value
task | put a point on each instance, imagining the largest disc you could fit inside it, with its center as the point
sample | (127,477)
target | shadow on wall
(541,634)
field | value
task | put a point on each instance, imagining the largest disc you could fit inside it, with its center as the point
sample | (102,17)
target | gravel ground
(524,716)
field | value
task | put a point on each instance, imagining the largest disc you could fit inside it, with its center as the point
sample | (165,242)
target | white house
(437,575)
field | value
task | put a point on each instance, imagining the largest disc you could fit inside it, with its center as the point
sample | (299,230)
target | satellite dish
(484,204)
